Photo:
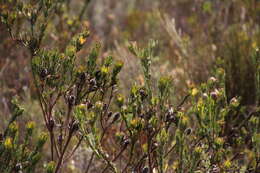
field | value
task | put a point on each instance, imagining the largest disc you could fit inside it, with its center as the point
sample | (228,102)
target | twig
(117,156)
(90,161)
(183,101)
(62,153)
(142,158)
(83,9)
(149,155)
(75,148)
(131,156)
(169,151)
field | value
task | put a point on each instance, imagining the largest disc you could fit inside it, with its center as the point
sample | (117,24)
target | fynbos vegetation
(87,120)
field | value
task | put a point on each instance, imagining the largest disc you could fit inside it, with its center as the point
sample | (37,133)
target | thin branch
(75,148)
(83,9)
(116,157)
(130,159)
(55,147)
(169,151)
(62,153)
(183,101)
(90,161)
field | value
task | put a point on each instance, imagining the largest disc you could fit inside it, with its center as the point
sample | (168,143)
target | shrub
(142,131)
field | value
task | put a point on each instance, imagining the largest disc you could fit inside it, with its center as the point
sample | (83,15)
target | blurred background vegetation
(195,39)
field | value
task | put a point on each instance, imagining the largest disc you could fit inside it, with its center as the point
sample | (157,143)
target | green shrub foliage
(16,154)
(144,130)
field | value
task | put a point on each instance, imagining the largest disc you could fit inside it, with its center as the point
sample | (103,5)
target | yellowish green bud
(227,164)
(8,143)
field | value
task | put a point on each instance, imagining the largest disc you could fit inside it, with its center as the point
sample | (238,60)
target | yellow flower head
(198,150)
(81,69)
(70,50)
(227,164)
(145,147)
(134,122)
(70,22)
(104,70)
(254,45)
(194,91)
(98,105)
(82,40)
(175,165)
(8,143)
(184,120)
(220,71)
(30,125)
(13,127)
(219,141)
(62,56)
(120,100)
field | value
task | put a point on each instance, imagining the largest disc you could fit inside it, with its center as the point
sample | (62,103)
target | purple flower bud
(143,94)
(71,100)
(18,167)
(60,139)
(82,76)
(89,105)
(92,82)
(51,124)
(125,142)
(188,131)
(104,107)
(116,117)
(145,170)
(214,95)
(43,73)
(109,114)
(74,126)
